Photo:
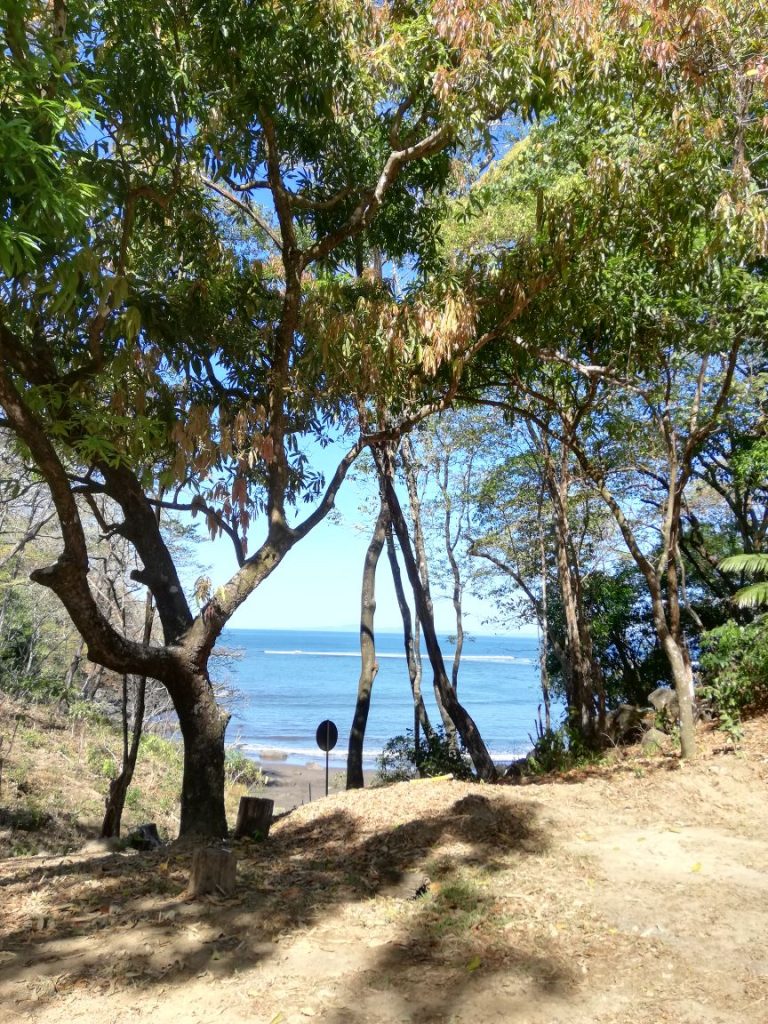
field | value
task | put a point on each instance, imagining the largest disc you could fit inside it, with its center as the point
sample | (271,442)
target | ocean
(288,682)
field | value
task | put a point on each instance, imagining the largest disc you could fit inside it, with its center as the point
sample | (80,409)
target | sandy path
(634,896)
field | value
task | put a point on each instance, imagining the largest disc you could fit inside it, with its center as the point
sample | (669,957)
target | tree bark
(254,816)
(368,664)
(461,719)
(203,725)
(544,632)
(409,471)
(213,871)
(458,587)
(118,787)
(581,671)
(411,642)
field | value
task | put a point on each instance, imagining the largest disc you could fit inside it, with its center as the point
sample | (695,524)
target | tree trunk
(458,588)
(543,633)
(74,665)
(409,471)
(368,665)
(412,652)
(579,678)
(682,676)
(92,682)
(203,726)
(676,648)
(118,787)
(462,720)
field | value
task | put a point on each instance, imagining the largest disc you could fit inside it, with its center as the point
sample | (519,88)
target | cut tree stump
(213,870)
(254,816)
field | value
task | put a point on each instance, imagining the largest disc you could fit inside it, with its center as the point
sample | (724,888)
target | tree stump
(254,816)
(213,870)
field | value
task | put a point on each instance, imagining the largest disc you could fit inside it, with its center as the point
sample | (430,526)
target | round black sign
(327,735)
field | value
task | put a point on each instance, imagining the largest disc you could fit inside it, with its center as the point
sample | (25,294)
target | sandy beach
(292,785)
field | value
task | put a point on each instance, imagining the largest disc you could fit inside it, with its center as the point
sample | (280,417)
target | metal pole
(327,744)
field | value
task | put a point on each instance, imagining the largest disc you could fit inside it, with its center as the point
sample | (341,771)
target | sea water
(289,682)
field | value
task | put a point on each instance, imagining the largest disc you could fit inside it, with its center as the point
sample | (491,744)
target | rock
(144,837)
(663,699)
(516,769)
(108,844)
(655,742)
(625,724)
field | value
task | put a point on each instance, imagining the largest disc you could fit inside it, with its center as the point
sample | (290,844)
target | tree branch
(257,219)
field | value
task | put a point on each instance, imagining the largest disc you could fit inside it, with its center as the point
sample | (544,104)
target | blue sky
(317,586)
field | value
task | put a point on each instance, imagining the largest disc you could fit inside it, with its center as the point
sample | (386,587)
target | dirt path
(637,894)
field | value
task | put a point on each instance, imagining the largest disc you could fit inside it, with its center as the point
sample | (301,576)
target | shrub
(241,770)
(102,763)
(400,760)
(734,667)
(557,750)
(86,711)
(169,752)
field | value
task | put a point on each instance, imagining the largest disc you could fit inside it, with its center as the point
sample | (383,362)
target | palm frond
(750,565)
(753,596)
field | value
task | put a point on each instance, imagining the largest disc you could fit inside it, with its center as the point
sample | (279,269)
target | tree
(631,281)
(161,327)
(368,664)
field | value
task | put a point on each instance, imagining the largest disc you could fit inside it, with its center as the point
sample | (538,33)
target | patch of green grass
(454,907)
(101,762)
(32,738)
(133,798)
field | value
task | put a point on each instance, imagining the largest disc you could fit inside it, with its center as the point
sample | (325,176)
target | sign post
(327,738)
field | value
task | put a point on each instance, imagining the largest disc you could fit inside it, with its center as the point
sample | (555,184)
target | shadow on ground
(105,922)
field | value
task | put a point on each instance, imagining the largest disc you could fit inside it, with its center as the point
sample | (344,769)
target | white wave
(499,659)
(276,754)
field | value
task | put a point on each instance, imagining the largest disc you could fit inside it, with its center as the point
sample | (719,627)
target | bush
(102,762)
(734,667)
(557,750)
(169,752)
(550,752)
(86,711)
(241,770)
(400,761)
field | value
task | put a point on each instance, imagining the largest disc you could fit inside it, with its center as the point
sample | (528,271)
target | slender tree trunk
(676,648)
(421,722)
(368,664)
(682,677)
(543,633)
(74,665)
(580,688)
(118,787)
(409,471)
(462,720)
(412,652)
(458,589)
(92,682)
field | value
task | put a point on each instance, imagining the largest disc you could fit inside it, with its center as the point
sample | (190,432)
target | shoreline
(291,785)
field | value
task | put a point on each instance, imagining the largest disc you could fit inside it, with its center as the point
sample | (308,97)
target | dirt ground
(634,893)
